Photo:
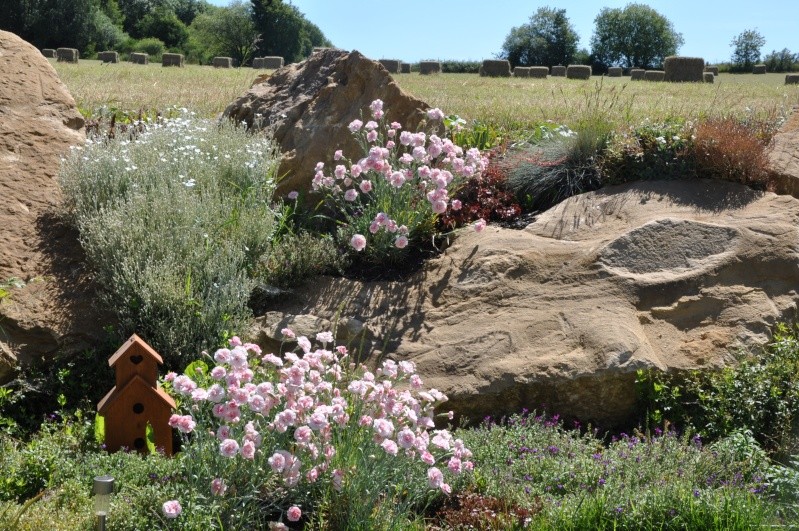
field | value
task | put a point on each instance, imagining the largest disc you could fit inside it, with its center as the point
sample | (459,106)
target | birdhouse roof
(136,381)
(138,343)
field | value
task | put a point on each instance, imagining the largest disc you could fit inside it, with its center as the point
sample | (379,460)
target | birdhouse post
(136,400)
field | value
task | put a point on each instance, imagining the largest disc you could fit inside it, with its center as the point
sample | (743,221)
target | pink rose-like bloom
(358,242)
(248,450)
(374,227)
(479,225)
(406,137)
(365,186)
(218,372)
(218,487)
(435,114)
(389,446)
(325,337)
(338,155)
(376,105)
(350,195)
(170,376)
(277,462)
(356,170)
(355,125)
(390,144)
(288,333)
(456,204)
(303,434)
(439,207)
(455,465)
(401,242)
(229,448)
(384,428)
(397,179)
(406,438)
(434,478)
(294,514)
(371,136)
(172,509)
(304,343)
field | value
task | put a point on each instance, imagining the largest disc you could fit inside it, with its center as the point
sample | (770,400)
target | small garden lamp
(103,490)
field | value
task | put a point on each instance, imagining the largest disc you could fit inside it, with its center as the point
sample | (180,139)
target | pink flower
(376,105)
(384,428)
(456,204)
(389,446)
(170,376)
(229,448)
(406,438)
(397,179)
(350,195)
(303,434)
(338,478)
(218,487)
(435,114)
(455,466)
(401,242)
(172,509)
(406,137)
(358,242)
(277,462)
(434,478)
(479,225)
(365,186)
(355,170)
(288,333)
(325,337)
(338,155)
(428,458)
(304,343)
(355,126)
(340,171)
(371,136)
(294,514)
(248,450)
(439,207)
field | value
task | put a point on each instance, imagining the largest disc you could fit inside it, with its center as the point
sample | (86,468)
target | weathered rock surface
(667,275)
(310,104)
(783,157)
(38,123)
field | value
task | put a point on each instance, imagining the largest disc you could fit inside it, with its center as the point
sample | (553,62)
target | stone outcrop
(39,122)
(783,157)
(309,105)
(665,275)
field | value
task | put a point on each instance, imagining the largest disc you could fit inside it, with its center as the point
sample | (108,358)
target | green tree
(50,23)
(782,61)
(163,24)
(227,31)
(284,30)
(547,39)
(747,50)
(635,36)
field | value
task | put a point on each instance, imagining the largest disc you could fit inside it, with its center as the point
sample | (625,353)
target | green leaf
(99,429)
(196,367)
(150,438)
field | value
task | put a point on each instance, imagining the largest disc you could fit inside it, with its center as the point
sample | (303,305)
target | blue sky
(413,30)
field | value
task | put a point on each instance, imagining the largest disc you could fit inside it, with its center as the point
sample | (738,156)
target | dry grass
(203,89)
(505,102)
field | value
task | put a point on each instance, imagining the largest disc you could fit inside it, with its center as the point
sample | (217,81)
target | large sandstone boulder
(665,275)
(310,104)
(38,123)
(783,157)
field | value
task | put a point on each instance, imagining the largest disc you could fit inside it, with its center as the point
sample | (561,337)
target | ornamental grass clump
(172,223)
(344,445)
(387,202)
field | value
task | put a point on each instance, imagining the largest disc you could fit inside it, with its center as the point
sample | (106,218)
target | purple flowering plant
(388,199)
(309,429)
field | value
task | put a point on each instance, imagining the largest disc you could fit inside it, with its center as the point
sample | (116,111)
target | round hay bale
(615,71)
(222,62)
(539,72)
(759,69)
(637,74)
(709,77)
(521,71)
(679,69)
(405,68)
(495,68)
(559,71)
(578,72)
(392,65)
(429,67)
(139,58)
(792,79)
(712,69)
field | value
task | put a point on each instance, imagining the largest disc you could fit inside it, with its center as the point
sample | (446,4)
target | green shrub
(151,45)
(760,394)
(172,223)
(649,151)
(296,257)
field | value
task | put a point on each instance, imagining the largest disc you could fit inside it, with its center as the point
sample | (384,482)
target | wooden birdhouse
(136,400)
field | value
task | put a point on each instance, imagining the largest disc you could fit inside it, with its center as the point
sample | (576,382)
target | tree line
(635,36)
(195,28)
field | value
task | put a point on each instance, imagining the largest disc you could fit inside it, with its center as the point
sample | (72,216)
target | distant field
(509,102)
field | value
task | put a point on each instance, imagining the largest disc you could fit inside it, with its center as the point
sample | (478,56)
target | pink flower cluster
(426,163)
(302,404)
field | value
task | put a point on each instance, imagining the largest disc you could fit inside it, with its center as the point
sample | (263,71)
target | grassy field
(508,103)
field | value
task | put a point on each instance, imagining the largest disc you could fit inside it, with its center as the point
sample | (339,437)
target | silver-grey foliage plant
(172,222)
